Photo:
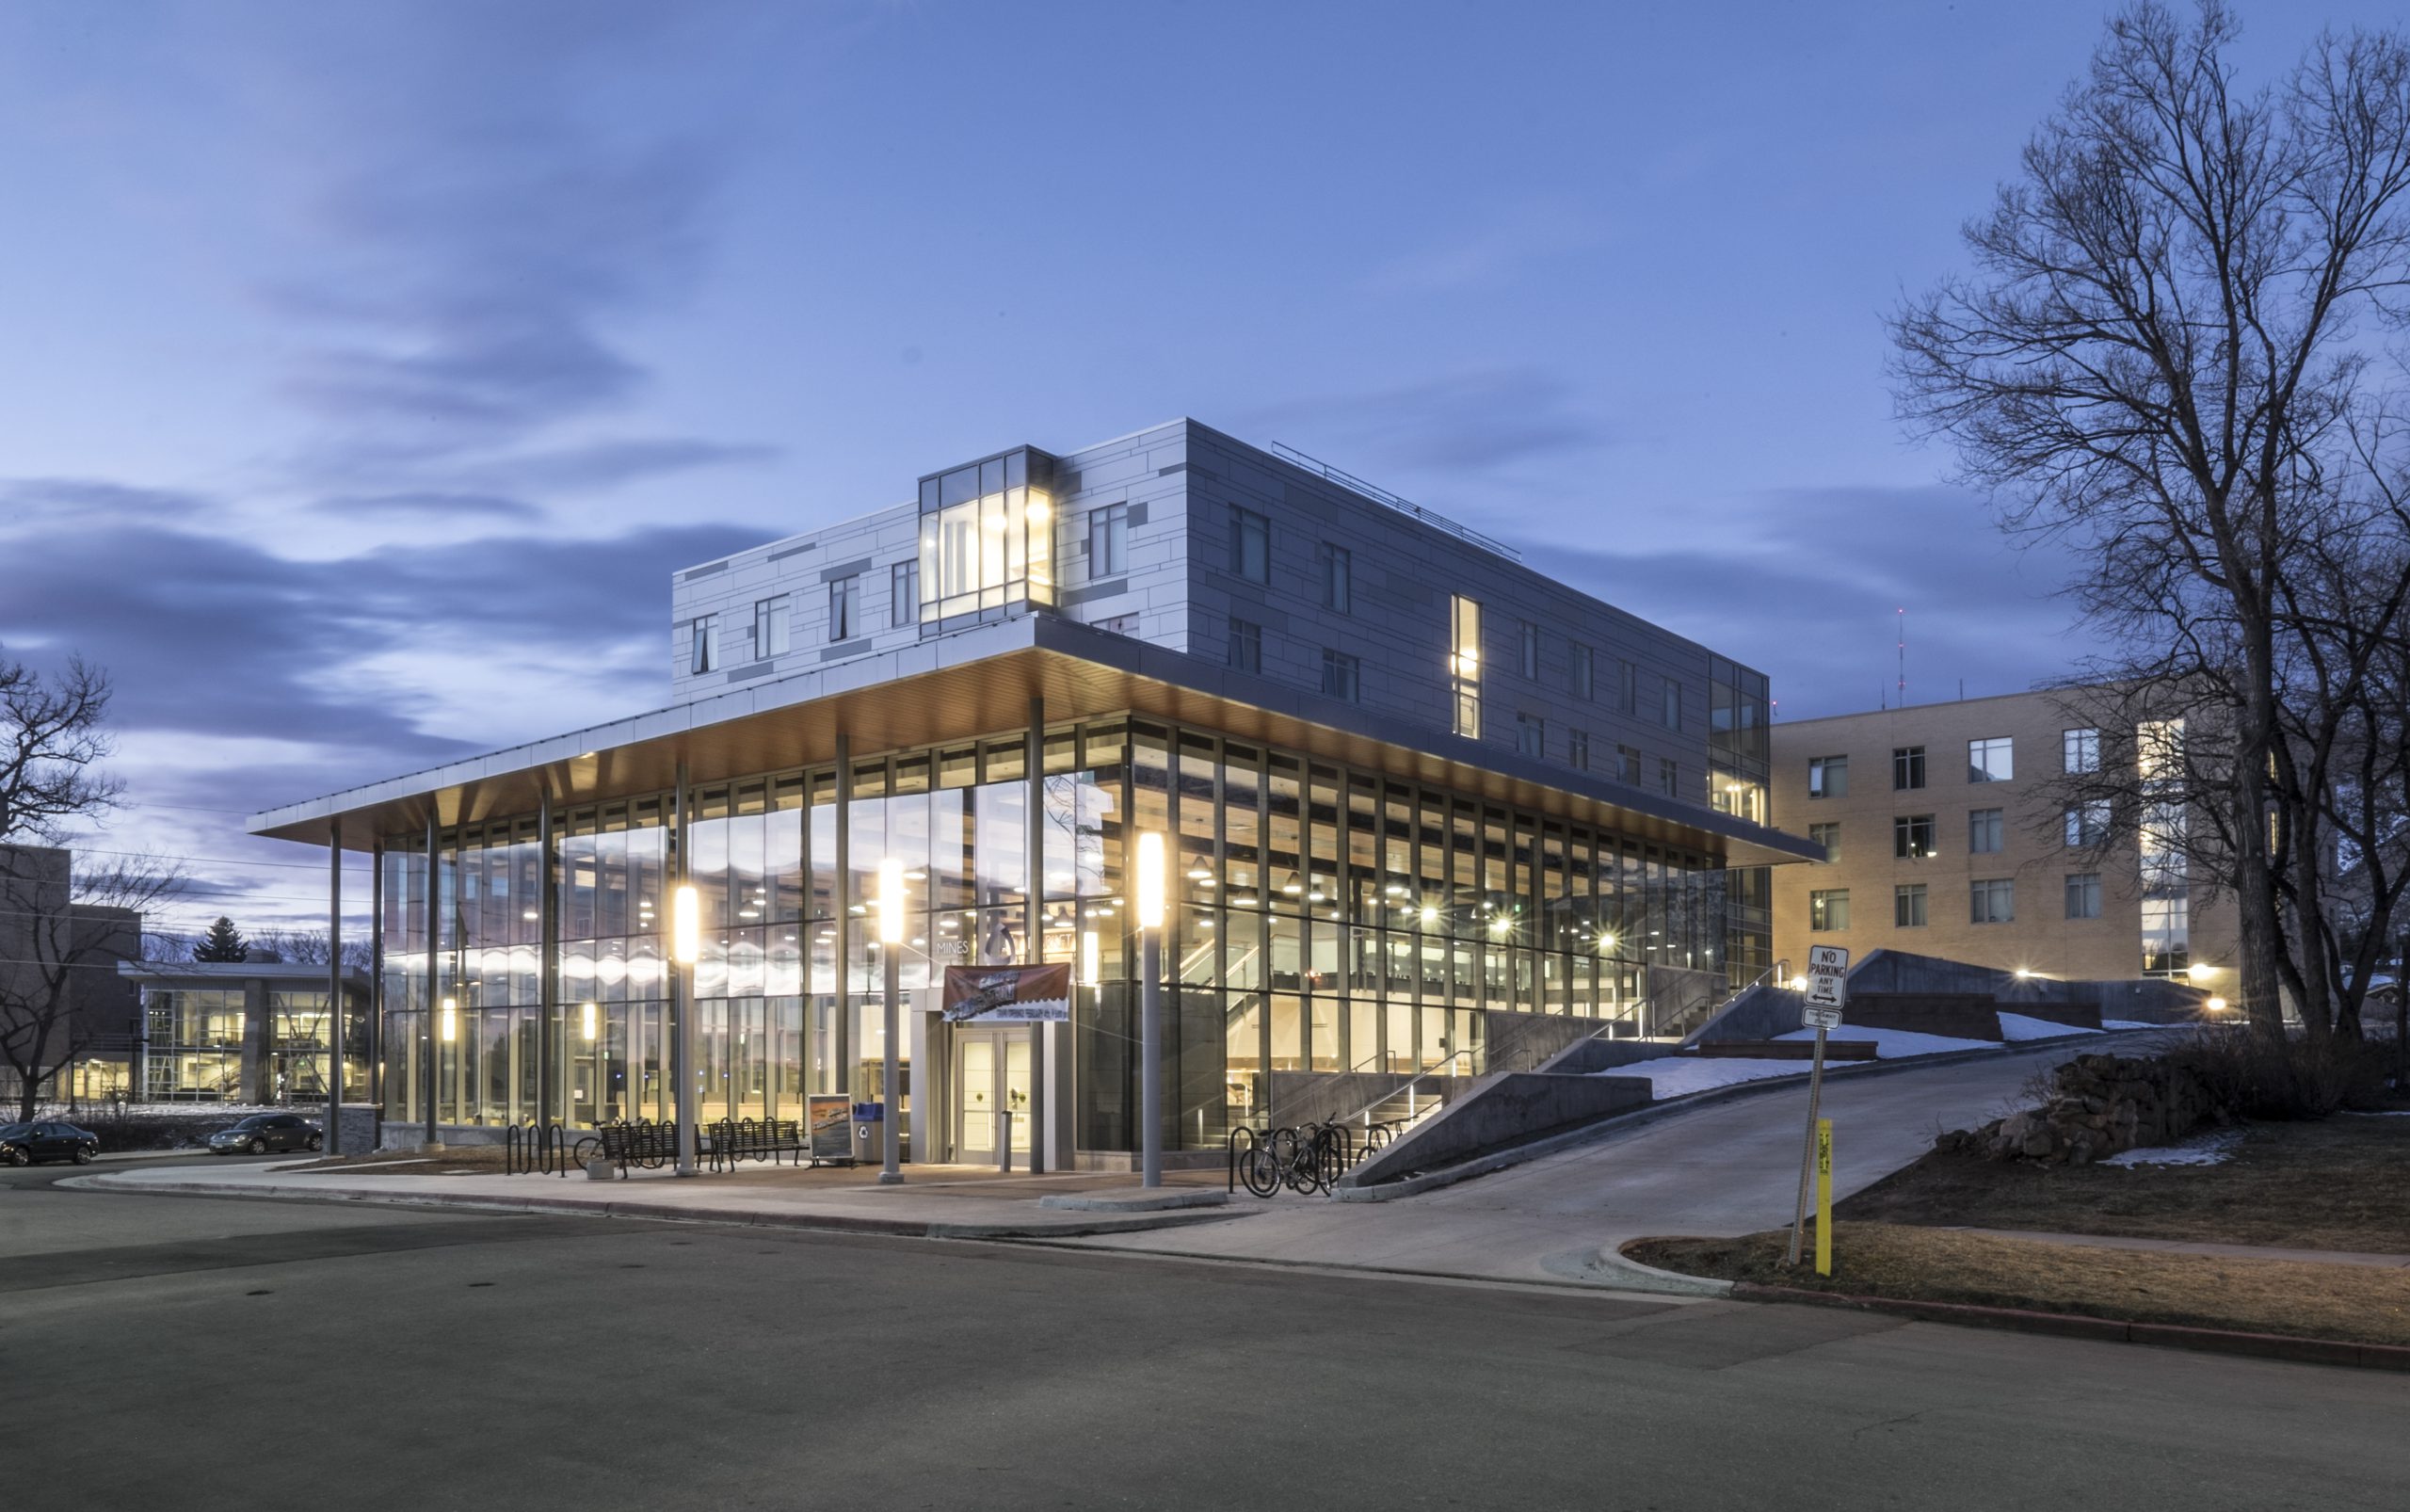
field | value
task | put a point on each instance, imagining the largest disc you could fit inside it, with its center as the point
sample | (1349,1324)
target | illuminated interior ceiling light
(531,914)
(1200,875)
(916,877)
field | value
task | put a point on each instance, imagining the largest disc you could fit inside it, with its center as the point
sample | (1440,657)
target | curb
(2111,1330)
(1617,1122)
(1104,1223)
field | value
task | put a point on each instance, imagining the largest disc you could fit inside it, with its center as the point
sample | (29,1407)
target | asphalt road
(205,1354)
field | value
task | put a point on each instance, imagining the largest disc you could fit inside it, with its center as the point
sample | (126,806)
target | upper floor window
(1827,777)
(2080,750)
(1583,680)
(1670,711)
(1912,836)
(1108,541)
(2088,824)
(1627,689)
(706,648)
(2158,750)
(1338,579)
(1991,901)
(770,627)
(1250,545)
(903,594)
(1907,768)
(1829,836)
(1668,776)
(2083,894)
(845,606)
(1531,735)
(1986,831)
(1577,749)
(1828,909)
(1246,646)
(1528,650)
(1991,760)
(1341,675)
(1908,906)
(1628,765)
(1464,664)
(986,535)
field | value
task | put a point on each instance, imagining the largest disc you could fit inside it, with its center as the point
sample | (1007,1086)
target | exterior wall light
(891,902)
(450,1022)
(1090,966)
(587,1015)
(2201,972)
(1149,903)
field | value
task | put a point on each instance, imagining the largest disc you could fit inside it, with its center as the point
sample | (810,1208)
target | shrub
(2291,1077)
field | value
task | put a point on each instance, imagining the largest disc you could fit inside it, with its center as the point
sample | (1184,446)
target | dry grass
(2338,1184)
(2361,1303)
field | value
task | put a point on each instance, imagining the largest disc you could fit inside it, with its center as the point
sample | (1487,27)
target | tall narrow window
(1577,749)
(1108,541)
(1338,579)
(1828,776)
(1584,679)
(1250,545)
(1627,689)
(1628,765)
(770,627)
(1531,735)
(845,606)
(1528,650)
(1991,760)
(2080,750)
(1341,675)
(1670,710)
(903,594)
(1464,664)
(1907,768)
(1670,776)
(1246,646)
(706,649)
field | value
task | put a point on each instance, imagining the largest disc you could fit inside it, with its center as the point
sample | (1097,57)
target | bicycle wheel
(1259,1172)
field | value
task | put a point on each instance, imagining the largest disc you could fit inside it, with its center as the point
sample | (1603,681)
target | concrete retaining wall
(1605,1056)
(2147,1001)
(1500,1112)
(1313,1096)
(1952,1014)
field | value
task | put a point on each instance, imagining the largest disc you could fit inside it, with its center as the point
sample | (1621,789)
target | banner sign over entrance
(1009,994)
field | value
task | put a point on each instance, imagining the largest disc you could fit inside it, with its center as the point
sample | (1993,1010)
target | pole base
(890,1178)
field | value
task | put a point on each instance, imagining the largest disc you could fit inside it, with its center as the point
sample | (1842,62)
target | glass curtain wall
(1322,920)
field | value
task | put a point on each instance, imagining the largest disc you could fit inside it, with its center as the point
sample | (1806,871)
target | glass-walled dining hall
(1321,919)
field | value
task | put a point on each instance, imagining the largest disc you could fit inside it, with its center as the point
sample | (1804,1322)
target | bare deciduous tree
(2161,355)
(51,744)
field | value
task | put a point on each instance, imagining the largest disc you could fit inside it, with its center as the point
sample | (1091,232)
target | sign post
(1828,992)
(1823,1197)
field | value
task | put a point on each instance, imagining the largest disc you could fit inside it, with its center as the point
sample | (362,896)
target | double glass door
(990,1077)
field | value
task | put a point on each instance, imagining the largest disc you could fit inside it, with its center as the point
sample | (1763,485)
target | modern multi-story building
(255,1032)
(66,1022)
(1954,829)
(1413,790)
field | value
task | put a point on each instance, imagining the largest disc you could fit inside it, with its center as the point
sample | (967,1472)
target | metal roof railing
(1381,496)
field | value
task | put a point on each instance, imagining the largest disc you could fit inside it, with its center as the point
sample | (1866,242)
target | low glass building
(246,1032)
(1391,839)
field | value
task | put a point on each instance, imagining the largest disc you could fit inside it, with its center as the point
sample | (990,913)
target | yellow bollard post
(1823,1197)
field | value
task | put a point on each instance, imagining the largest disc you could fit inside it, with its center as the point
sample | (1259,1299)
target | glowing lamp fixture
(685,925)
(1149,903)
(1089,965)
(2023,974)
(1799,984)
(891,902)
(2201,972)
(586,1016)
(2216,1004)
(451,1020)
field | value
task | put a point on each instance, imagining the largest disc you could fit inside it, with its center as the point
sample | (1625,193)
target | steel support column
(335,987)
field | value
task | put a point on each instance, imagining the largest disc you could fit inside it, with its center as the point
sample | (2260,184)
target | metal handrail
(1407,506)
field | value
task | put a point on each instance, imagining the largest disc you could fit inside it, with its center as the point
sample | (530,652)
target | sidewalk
(934,1202)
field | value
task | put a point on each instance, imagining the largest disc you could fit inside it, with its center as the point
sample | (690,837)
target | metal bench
(756,1140)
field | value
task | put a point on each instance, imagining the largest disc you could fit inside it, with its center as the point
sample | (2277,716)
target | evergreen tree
(224,942)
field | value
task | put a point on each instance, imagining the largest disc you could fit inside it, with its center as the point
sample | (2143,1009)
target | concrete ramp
(1499,1112)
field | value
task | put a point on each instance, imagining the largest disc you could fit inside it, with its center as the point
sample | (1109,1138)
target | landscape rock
(2098,1105)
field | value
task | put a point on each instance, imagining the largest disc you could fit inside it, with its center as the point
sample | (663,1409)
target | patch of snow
(1674,1075)
(2377,1113)
(1895,1044)
(2211,1148)
(2129,1023)
(2017,1026)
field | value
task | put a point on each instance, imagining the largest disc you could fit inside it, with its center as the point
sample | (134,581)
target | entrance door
(991,1075)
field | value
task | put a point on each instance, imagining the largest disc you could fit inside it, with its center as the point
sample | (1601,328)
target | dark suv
(21,1144)
(264,1131)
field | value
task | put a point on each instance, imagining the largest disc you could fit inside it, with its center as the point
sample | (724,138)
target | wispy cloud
(1517,239)
(1463,423)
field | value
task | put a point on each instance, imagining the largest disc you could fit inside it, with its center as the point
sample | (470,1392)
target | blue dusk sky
(368,367)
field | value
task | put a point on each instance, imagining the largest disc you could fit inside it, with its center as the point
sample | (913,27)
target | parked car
(21,1144)
(264,1131)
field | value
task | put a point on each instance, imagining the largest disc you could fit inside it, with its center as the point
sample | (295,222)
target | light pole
(891,959)
(685,944)
(1149,906)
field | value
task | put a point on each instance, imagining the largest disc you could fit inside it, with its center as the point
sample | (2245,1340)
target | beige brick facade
(2034,858)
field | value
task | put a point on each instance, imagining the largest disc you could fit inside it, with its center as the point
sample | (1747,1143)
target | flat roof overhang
(978,681)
